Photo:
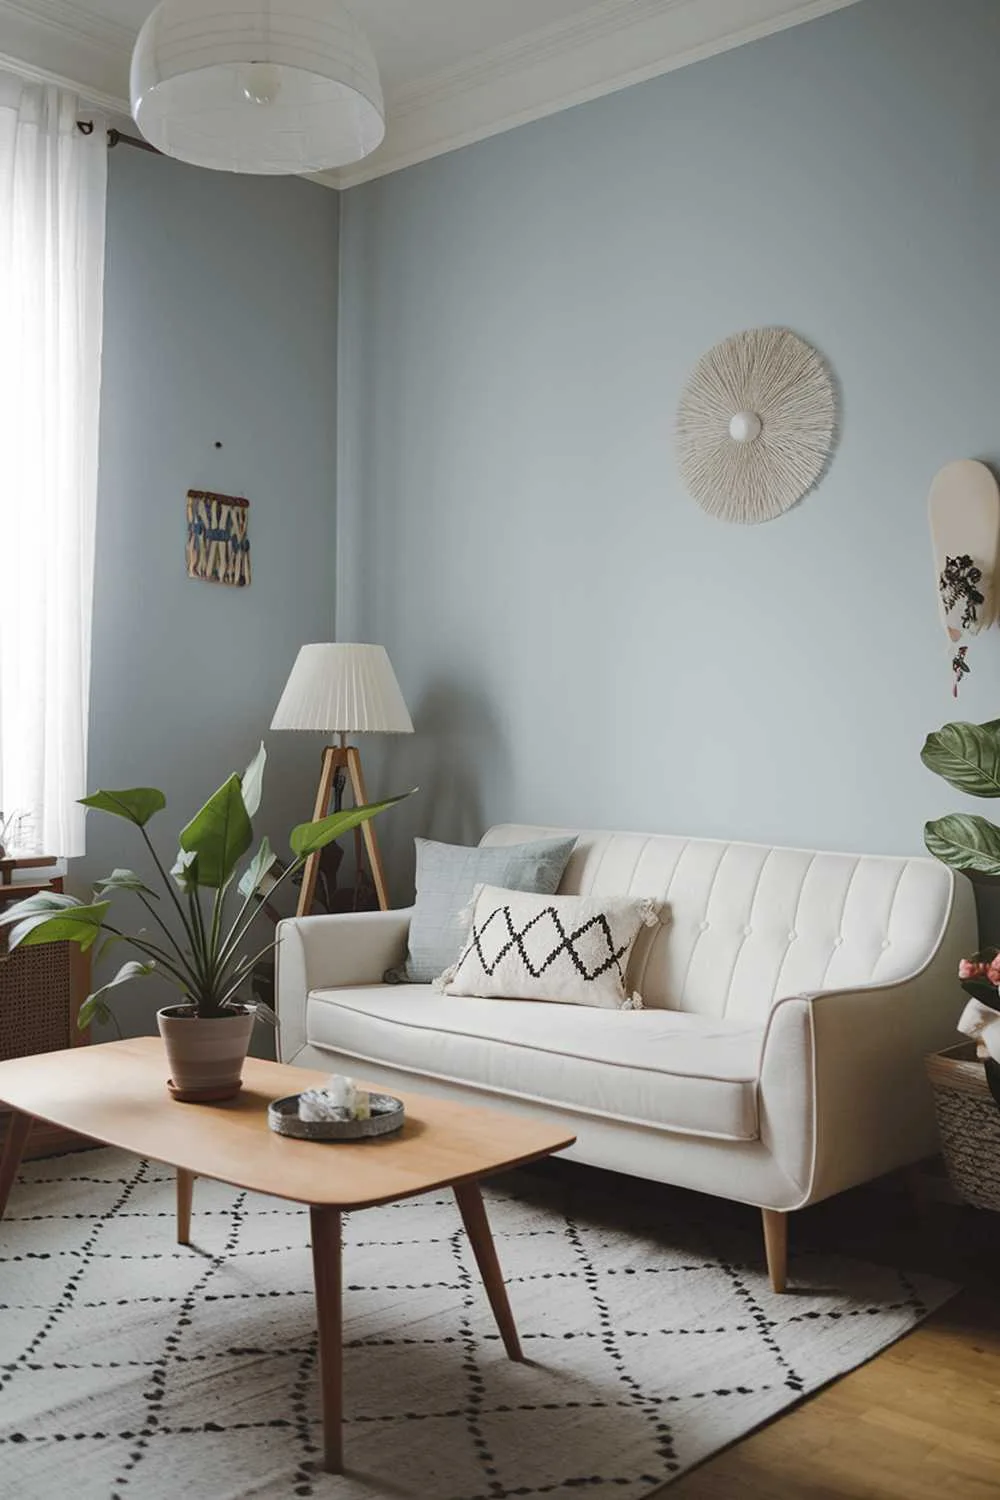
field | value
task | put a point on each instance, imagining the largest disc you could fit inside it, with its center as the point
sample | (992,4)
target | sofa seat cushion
(668,1069)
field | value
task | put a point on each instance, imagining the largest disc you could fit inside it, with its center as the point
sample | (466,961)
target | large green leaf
(124,880)
(965,842)
(252,783)
(95,1007)
(137,804)
(44,902)
(219,834)
(967,756)
(78,924)
(257,869)
(308,838)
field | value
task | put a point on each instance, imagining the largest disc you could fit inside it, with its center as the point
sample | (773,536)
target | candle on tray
(338,1099)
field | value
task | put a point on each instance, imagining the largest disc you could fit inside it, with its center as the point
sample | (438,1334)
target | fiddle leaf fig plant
(967,756)
(203,916)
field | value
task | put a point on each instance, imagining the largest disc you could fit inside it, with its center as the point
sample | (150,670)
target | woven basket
(969,1122)
(36,1000)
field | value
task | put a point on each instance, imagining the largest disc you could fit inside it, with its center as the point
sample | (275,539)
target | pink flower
(967,969)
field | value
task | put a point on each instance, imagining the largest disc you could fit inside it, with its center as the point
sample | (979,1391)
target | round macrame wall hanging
(756,425)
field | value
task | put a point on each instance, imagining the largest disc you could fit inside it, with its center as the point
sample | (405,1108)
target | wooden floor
(922,1420)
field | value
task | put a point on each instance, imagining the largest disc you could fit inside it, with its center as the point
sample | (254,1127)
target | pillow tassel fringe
(634,1002)
(465,916)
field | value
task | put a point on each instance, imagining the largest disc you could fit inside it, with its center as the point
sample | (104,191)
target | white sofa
(789,1002)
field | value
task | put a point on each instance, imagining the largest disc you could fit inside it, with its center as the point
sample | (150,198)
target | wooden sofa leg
(776,1245)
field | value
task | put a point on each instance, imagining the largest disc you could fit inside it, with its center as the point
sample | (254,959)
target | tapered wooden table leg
(13,1149)
(185,1193)
(477,1227)
(326,1254)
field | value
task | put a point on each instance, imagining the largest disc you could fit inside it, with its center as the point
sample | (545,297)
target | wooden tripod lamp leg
(367,829)
(332,760)
(334,757)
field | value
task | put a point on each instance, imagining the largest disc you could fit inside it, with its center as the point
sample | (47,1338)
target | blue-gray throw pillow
(447,876)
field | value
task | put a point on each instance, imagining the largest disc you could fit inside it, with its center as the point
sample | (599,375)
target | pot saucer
(201,1096)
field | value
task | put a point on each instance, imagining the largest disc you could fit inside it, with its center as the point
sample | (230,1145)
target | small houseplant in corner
(199,938)
(967,756)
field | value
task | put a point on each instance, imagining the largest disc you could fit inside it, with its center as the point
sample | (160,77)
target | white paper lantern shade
(755,425)
(270,87)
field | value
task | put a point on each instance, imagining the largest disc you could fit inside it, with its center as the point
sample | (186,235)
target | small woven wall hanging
(755,425)
(218,547)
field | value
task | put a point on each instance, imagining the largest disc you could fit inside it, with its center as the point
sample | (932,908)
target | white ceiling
(414,37)
(453,71)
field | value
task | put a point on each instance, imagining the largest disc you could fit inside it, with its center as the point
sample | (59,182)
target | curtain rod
(118,138)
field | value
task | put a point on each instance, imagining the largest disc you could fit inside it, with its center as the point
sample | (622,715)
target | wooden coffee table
(116,1094)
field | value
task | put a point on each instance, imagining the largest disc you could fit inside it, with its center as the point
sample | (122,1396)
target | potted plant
(199,936)
(966,1078)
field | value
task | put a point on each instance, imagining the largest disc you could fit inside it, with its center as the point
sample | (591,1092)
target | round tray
(387,1115)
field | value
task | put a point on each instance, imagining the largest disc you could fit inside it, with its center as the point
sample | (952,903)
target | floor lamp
(342,690)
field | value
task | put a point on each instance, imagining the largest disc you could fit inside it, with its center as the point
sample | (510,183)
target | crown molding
(540,47)
(51,41)
(85,25)
(116,109)
(606,47)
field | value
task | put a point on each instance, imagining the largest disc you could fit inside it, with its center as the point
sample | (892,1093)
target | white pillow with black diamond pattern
(573,950)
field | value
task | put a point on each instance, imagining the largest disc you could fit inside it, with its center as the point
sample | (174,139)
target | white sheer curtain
(53,187)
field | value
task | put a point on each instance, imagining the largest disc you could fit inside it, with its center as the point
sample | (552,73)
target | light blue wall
(220,325)
(578,642)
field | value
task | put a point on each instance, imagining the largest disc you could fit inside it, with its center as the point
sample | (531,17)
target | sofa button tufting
(747,931)
(792,936)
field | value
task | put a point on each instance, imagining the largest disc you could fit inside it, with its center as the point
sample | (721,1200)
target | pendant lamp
(272,87)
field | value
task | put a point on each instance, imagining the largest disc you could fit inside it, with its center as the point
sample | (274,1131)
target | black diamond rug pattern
(131,1366)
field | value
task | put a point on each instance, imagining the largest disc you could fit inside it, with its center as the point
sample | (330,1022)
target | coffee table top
(116,1093)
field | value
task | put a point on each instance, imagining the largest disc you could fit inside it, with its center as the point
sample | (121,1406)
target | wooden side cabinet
(41,991)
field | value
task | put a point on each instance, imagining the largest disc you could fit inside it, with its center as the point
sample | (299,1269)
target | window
(53,181)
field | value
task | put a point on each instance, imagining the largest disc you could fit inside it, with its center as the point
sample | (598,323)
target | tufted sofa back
(749,924)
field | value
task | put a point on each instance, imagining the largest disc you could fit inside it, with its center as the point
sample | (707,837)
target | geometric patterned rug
(133,1367)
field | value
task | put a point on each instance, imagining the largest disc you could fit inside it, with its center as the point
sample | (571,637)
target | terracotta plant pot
(205,1057)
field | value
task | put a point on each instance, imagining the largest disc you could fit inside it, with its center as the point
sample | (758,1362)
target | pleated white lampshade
(343,689)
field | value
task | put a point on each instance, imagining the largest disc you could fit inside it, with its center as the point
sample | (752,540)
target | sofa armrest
(331,952)
(843,1096)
